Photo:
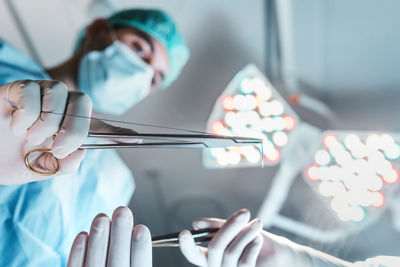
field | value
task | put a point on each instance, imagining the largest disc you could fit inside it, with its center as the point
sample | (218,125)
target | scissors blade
(145,145)
(208,140)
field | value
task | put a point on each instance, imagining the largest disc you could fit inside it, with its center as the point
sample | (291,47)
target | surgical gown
(39,220)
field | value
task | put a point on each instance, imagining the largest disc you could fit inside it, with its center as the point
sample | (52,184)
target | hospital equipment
(204,140)
(287,61)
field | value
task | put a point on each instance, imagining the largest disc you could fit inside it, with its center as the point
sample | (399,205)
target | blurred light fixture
(251,107)
(355,171)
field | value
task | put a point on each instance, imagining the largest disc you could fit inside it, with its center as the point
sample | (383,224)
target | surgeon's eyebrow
(147,39)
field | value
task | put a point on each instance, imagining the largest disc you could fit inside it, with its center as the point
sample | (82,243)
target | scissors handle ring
(31,168)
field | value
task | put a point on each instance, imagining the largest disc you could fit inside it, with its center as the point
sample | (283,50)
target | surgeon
(117,62)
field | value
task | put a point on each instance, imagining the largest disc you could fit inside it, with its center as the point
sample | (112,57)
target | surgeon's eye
(138,49)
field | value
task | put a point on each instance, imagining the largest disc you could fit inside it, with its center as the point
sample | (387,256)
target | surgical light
(354,171)
(217,127)
(227,103)
(250,107)
(290,122)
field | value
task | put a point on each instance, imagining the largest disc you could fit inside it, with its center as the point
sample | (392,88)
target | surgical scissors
(172,240)
(162,141)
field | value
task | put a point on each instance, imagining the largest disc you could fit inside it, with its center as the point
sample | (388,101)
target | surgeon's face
(100,35)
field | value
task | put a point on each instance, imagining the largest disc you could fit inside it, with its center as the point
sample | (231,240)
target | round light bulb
(330,140)
(277,108)
(268,124)
(392,151)
(280,139)
(322,157)
(359,150)
(217,127)
(279,123)
(313,173)
(358,214)
(265,109)
(352,140)
(247,86)
(239,102)
(223,159)
(230,118)
(261,89)
(227,103)
(290,122)
(377,199)
(233,157)
(391,176)
(373,142)
(250,102)
(273,155)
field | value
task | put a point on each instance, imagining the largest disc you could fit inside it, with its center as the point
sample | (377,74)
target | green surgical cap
(160,26)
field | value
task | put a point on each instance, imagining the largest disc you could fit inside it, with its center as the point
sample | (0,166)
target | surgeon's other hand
(112,244)
(237,243)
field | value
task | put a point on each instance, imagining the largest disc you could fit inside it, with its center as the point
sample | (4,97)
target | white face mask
(115,78)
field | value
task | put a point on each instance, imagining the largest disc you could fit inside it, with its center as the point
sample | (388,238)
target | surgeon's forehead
(136,32)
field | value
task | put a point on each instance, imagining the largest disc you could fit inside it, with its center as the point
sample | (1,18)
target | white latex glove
(24,127)
(237,243)
(115,244)
(380,261)
(279,251)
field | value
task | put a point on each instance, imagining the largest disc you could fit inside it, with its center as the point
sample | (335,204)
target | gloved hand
(237,243)
(118,244)
(24,127)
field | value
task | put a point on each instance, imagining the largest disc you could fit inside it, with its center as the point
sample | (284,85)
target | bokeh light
(217,127)
(290,122)
(227,103)
(330,140)
(273,155)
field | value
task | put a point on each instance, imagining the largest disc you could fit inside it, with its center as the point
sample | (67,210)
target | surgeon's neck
(67,72)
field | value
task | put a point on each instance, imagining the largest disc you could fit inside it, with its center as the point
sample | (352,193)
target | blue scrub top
(39,220)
